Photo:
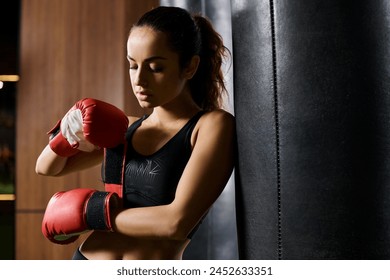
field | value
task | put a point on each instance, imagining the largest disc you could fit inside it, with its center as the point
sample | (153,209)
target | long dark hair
(191,35)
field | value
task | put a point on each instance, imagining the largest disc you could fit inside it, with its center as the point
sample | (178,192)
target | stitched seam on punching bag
(277,131)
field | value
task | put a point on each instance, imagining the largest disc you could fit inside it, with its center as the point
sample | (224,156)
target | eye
(133,67)
(156,68)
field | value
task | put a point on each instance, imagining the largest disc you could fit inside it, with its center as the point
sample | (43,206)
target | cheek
(131,77)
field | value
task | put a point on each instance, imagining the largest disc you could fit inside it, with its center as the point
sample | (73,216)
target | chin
(146,105)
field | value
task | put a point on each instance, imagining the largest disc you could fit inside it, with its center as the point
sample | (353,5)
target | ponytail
(208,84)
(189,36)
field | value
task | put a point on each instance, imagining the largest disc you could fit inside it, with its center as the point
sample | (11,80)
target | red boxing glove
(71,213)
(99,123)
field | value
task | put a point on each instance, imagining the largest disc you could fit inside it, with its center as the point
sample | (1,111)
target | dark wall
(9,40)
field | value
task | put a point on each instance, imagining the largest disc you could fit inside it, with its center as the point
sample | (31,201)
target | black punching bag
(312,104)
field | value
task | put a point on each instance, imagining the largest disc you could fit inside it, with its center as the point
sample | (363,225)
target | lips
(143,95)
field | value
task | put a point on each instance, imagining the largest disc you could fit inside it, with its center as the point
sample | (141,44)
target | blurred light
(9,78)
(1,84)
(5,197)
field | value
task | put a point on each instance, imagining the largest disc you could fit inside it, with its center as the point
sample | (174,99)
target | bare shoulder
(214,125)
(217,119)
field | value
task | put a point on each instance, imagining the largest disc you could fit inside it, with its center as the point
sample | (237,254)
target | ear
(191,68)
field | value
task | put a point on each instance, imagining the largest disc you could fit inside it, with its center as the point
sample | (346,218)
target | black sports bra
(149,180)
(152,180)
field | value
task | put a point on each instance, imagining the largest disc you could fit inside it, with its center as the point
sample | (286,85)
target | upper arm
(208,169)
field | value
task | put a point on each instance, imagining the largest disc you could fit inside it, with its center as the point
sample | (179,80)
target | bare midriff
(115,246)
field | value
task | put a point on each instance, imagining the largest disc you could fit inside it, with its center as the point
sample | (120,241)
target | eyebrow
(149,58)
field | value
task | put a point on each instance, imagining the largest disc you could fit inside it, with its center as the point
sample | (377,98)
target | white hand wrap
(72,130)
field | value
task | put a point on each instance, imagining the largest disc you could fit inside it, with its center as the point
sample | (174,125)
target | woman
(175,70)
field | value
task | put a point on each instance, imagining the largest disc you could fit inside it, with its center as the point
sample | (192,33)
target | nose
(139,77)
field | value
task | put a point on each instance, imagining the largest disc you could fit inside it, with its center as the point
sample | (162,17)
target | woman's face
(155,75)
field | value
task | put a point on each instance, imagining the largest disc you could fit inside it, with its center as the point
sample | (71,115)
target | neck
(182,108)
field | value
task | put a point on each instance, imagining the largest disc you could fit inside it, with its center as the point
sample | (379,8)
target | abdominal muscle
(115,246)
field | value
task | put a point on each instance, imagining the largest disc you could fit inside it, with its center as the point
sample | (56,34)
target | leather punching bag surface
(312,104)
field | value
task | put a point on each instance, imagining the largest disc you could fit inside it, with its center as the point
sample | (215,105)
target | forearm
(50,164)
(157,222)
